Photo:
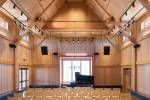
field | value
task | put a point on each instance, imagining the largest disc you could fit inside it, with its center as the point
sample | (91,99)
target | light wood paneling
(143,52)
(143,79)
(75,12)
(6,78)
(126,56)
(46,76)
(107,76)
(49,59)
(23,55)
(106,60)
(7,54)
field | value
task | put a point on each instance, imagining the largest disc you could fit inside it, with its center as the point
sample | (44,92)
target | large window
(145,23)
(25,38)
(23,78)
(71,65)
(125,38)
(3,23)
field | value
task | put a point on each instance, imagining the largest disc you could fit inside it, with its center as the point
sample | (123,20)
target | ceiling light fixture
(14,6)
(21,13)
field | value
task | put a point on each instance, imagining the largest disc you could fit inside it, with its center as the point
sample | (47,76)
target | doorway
(23,78)
(70,65)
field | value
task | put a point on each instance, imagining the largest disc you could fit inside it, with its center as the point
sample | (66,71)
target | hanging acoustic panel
(106,50)
(44,50)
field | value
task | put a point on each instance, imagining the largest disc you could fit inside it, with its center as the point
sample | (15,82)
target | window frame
(26,81)
(4,23)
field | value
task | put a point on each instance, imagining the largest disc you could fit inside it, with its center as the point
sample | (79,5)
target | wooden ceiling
(52,11)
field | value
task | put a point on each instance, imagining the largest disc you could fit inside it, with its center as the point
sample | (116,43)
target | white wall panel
(6,78)
(143,79)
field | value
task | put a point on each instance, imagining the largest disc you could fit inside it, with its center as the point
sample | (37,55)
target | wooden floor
(72,94)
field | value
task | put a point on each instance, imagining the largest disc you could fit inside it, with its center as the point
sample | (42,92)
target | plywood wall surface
(143,79)
(45,76)
(6,53)
(6,78)
(107,76)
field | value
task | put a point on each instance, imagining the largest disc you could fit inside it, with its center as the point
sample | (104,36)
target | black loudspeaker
(106,50)
(136,45)
(55,53)
(11,45)
(96,53)
(44,50)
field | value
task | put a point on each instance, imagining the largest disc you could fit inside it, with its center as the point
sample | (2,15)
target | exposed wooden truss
(2,2)
(111,17)
(146,4)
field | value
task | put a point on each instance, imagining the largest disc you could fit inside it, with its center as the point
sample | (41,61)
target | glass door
(23,78)
(70,66)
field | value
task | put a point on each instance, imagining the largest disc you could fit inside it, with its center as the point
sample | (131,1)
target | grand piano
(83,80)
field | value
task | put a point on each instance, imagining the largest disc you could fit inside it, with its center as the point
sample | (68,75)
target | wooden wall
(6,78)
(143,67)
(11,59)
(106,68)
(107,76)
(138,60)
(22,60)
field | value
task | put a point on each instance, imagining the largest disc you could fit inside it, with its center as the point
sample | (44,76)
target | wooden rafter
(2,2)
(103,9)
(46,8)
(146,4)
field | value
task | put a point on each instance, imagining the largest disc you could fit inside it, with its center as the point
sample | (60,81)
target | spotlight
(133,5)
(14,6)
(126,13)
(27,18)
(21,13)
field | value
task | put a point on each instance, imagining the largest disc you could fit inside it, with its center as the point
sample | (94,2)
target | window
(3,23)
(23,78)
(145,23)
(25,38)
(71,65)
(125,38)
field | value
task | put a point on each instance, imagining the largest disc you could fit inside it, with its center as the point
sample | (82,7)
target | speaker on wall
(106,50)
(136,45)
(12,45)
(96,53)
(44,50)
(55,53)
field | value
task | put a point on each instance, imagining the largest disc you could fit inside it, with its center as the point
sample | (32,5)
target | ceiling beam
(103,9)
(146,4)
(46,8)
(2,2)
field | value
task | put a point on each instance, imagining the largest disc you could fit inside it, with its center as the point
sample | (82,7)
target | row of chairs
(71,94)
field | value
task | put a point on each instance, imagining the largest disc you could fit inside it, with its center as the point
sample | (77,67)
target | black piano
(83,80)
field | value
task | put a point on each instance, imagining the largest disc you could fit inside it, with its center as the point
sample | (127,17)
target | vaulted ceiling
(76,16)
